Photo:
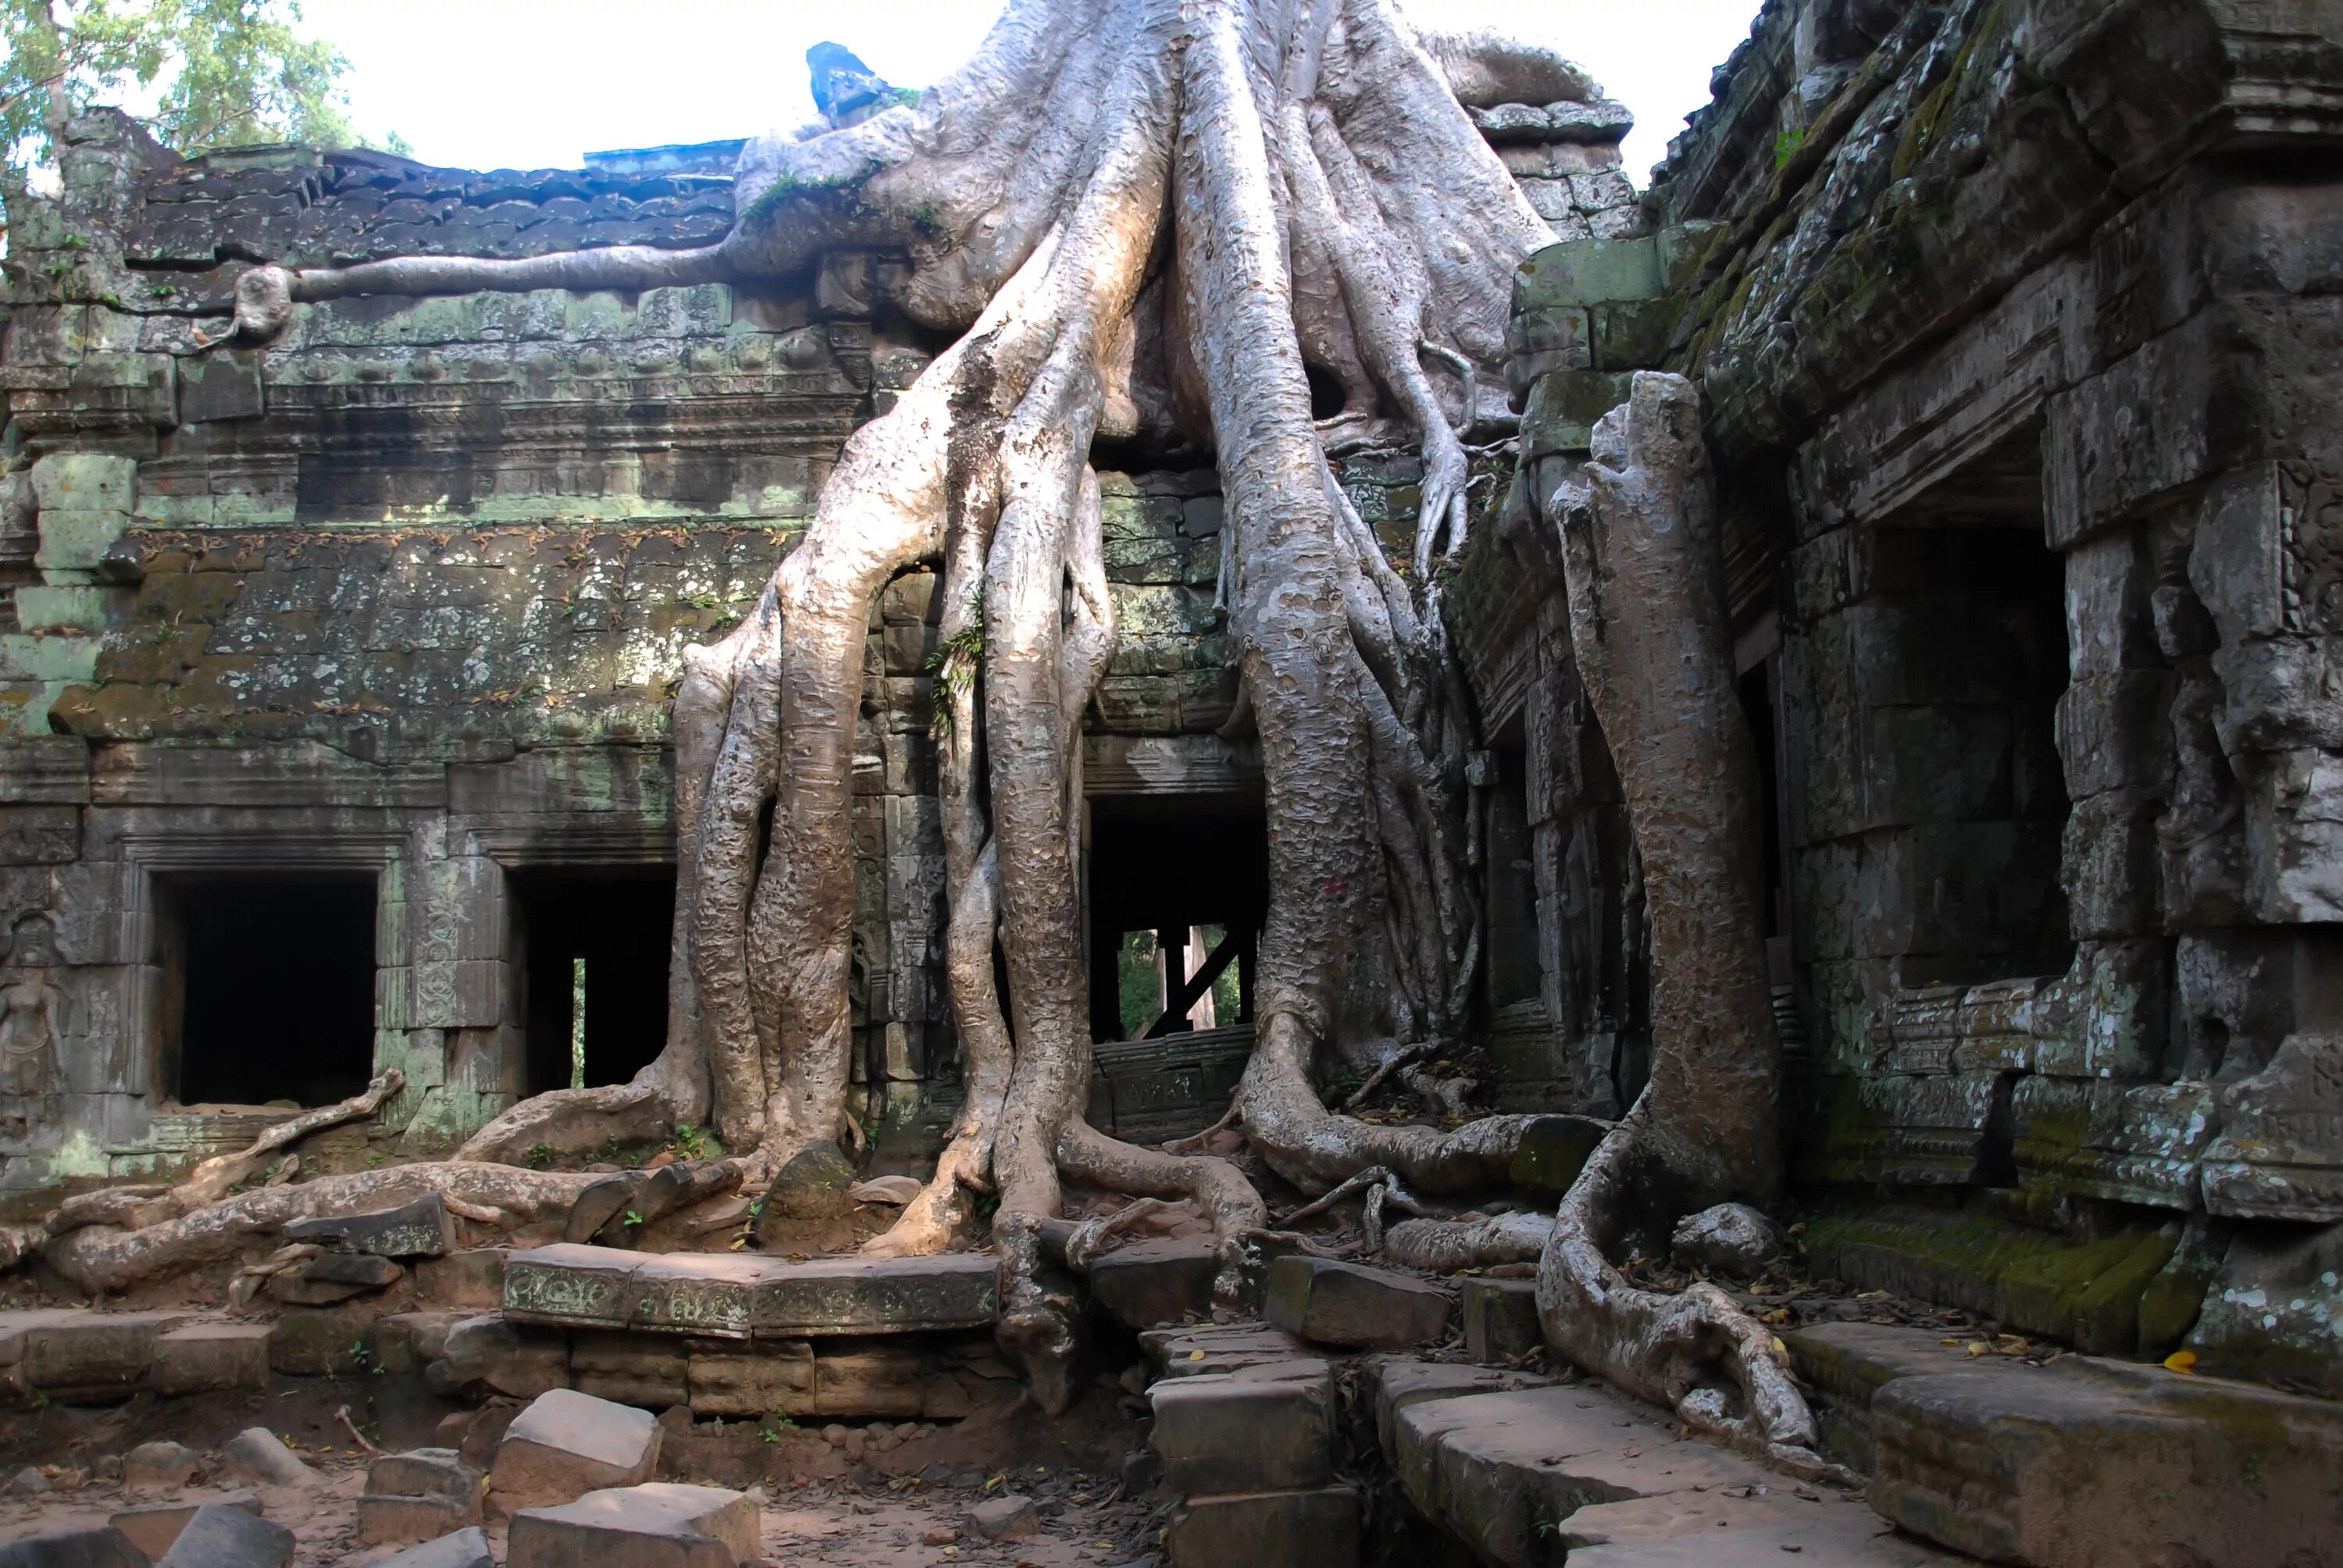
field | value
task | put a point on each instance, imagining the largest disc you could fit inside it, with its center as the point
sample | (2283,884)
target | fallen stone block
(221,1536)
(1005,1518)
(1501,1321)
(405,1341)
(211,1358)
(472,1278)
(423,1473)
(258,1455)
(726,1296)
(511,1358)
(418,1496)
(29,1483)
(663,1524)
(159,1466)
(1729,1238)
(422,1229)
(1265,1429)
(95,1546)
(463,1549)
(1156,1282)
(2093,1462)
(1315,1529)
(335,1278)
(566,1444)
(398,1520)
(1331,1303)
(152,1527)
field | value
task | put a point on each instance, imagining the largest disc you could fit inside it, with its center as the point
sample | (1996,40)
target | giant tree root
(1695,1352)
(97,1259)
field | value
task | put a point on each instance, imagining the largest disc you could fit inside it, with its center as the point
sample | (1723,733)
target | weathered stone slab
(704,1293)
(518,1359)
(1315,1529)
(876,1296)
(2102,1462)
(1165,1280)
(400,1521)
(94,1354)
(753,1381)
(882,1381)
(335,1277)
(258,1455)
(1844,1365)
(463,1549)
(1845,1536)
(1337,1303)
(1266,1428)
(422,1229)
(1399,1382)
(159,1466)
(566,1444)
(587,1287)
(152,1526)
(221,1536)
(709,1293)
(661,1525)
(1494,1468)
(1501,1321)
(211,1358)
(98,1546)
(1219,1347)
(474,1277)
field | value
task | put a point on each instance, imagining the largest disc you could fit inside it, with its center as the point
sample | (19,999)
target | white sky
(535,84)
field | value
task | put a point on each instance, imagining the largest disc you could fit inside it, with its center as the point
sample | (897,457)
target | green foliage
(217,74)
(690,1142)
(1787,145)
(540,1155)
(955,661)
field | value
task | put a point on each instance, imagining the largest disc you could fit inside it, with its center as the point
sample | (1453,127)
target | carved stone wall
(2018,330)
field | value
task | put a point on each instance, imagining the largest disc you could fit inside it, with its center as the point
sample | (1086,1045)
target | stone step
(1221,1348)
(1524,1470)
(726,1295)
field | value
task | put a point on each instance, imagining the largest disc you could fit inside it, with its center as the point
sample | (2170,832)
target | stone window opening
(591,948)
(269,991)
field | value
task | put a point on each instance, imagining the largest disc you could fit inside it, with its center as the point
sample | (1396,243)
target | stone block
(226,383)
(77,541)
(2272,1308)
(423,1473)
(518,1359)
(1552,1151)
(1209,1348)
(325,1281)
(89,1546)
(2276,1156)
(1399,1382)
(1588,272)
(701,1293)
(1337,1303)
(2094,1461)
(742,1380)
(663,1524)
(321,1342)
(259,1455)
(398,1520)
(1501,1321)
(209,1358)
(1162,1280)
(697,1292)
(69,607)
(93,1354)
(1314,1529)
(65,481)
(2109,865)
(474,1277)
(159,1466)
(1008,1517)
(566,1444)
(422,1229)
(221,1537)
(465,1548)
(152,1527)
(1563,407)
(1263,1430)
(403,1341)
(887,1381)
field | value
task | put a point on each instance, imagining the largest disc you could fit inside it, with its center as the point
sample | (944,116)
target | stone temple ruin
(341,639)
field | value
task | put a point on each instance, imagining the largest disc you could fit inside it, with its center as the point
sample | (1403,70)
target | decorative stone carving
(32,1009)
(2280,1152)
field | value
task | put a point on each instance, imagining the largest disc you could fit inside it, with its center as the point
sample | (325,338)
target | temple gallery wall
(336,675)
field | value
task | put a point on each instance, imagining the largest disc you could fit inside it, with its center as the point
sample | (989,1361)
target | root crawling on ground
(1142,219)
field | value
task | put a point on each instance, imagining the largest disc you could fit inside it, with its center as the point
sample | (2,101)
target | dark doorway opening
(1179,885)
(269,989)
(593,946)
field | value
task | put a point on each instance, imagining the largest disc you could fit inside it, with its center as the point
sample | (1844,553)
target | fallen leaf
(2181,1362)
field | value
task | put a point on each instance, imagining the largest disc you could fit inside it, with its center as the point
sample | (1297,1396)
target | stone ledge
(725,1296)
